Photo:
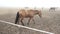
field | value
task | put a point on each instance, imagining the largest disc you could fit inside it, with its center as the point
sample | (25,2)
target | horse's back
(26,13)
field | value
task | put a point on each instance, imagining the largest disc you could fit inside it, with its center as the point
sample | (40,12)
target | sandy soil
(50,21)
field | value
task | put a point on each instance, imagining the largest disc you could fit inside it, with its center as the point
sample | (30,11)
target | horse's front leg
(33,20)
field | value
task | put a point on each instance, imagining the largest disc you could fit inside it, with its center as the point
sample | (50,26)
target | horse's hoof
(27,23)
(15,23)
(34,23)
(23,24)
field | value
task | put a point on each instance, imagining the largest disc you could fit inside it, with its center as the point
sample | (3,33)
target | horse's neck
(36,12)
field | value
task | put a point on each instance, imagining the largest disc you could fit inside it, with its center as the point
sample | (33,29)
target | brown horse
(21,14)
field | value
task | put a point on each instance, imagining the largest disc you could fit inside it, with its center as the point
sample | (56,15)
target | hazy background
(30,3)
(50,20)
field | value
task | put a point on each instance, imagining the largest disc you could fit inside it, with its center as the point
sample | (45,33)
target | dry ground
(50,21)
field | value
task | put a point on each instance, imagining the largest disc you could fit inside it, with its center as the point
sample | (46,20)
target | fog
(30,3)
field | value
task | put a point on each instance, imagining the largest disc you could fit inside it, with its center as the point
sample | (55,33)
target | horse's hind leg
(22,21)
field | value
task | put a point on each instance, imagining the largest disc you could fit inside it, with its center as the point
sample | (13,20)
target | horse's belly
(28,16)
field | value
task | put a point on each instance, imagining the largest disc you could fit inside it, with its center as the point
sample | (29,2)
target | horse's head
(38,12)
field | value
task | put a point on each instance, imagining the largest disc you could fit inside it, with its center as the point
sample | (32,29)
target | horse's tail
(17,18)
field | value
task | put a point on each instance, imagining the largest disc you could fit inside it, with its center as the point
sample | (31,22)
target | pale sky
(30,3)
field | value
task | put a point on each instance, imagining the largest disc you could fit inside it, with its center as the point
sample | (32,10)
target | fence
(26,27)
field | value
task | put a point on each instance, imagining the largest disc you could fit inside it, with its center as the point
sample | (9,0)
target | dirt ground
(50,21)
